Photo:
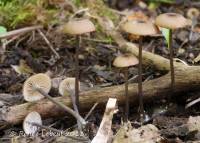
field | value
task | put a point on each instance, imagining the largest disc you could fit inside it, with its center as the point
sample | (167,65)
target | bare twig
(19,31)
(91,110)
(48,43)
(192,103)
(72,95)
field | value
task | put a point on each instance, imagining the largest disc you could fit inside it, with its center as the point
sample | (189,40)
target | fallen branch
(153,89)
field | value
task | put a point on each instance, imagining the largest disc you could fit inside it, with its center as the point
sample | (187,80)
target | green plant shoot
(166,34)
(3,30)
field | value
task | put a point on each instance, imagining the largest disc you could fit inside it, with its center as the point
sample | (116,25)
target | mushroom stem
(126,94)
(171,61)
(141,107)
(77,71)
(67,109)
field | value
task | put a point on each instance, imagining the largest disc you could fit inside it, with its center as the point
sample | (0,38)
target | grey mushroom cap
(140,27)
(126,60)
(40,80)
(32,117)
(171,21)
(78,27)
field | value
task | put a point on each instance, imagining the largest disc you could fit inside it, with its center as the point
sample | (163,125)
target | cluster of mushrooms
(38,86)
(141,28)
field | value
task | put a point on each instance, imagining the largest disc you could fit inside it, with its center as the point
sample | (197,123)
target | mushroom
(40,80)
(66,87)
(78,28)
(171,21)
(193,14)
(37,87)
(29,128)
(125,61)
(140,28)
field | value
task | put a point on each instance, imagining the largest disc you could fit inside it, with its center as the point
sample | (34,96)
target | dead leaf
(145,134)
(194,123)
(22,68)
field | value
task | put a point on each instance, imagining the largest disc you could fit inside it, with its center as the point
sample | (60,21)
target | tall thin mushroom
(78,28)
(140,28)
(171,21)
(124,62)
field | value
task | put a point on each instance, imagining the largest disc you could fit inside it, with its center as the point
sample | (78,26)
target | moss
(16,13)
(101,35)
(102,10)
(77,2)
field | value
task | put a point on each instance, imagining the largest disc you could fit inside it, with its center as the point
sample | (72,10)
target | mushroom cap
(40,80)
(78,27)
(192,13)
(66,85)
(125,61)
(32,117)
(171,21)
(140,27)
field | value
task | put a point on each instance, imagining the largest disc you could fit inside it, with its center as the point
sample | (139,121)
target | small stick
(48,43)
(192,103)
(91,110)
(72,95)
(19,31)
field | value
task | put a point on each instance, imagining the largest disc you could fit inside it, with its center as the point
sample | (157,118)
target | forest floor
(29,54)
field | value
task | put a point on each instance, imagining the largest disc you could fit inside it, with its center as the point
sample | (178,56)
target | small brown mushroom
(140,28)
(67,85)
(125,61)
(171,21)
(40,80)
(78,28)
